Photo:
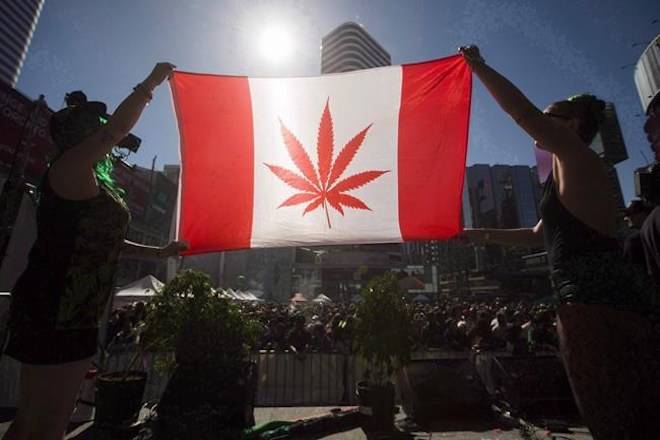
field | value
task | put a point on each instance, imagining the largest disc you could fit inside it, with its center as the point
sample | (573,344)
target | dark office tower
(611,147)
(505,200)
(18,19)
(503,196)
(349,47)
(524,190)
(482,196)
(609,143)
(538,186)
(466,212)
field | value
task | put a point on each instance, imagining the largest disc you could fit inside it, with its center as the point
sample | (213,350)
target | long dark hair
(102,171)
(71,125)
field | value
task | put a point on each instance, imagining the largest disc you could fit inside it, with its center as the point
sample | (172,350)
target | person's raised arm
(527,237)
(173,249)
(72,175)
(550,134)
(122,120)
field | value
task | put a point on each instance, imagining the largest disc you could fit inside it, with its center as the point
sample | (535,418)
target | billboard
(16,110)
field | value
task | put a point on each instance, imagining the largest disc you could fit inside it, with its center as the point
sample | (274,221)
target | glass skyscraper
(18,19)
(349,47)
(503,196)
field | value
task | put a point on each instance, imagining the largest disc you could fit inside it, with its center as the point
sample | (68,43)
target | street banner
(370,156)
(18,138)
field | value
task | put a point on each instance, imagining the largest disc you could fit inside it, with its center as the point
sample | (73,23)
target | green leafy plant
(383,331)
(191,319)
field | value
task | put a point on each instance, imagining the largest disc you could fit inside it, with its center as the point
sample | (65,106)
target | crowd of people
(450,324)
(123,323)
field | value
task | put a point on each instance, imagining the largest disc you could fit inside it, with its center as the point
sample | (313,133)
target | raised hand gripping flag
(371,156)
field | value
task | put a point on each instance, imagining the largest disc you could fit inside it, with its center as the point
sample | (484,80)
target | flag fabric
(370,156)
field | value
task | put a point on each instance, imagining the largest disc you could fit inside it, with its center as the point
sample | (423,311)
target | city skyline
(18,21)
(546,52)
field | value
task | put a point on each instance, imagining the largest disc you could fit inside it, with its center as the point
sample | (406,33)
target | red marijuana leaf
(323,188)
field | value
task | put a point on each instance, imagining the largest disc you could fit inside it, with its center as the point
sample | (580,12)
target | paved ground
(468,430)
(464,430)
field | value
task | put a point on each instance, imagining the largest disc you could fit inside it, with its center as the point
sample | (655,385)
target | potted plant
(213,385)
(383,337)
(119,390)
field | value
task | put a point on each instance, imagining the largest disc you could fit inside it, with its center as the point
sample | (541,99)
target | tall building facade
(340,271)
(499,197)
(647,75)
(349,47)
(526,192)
(18,19)
(647,80)
(151,196)
(481,193)
(611,147)
(503,196)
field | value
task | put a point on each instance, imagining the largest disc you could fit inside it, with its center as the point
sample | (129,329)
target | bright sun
(276,44)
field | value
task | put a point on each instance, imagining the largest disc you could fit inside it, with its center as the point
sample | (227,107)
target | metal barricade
(301,379)
(287,378)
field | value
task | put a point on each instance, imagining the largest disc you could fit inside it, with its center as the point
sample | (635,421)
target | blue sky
(550,49)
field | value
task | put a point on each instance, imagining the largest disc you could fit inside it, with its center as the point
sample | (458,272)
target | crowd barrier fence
(285,378)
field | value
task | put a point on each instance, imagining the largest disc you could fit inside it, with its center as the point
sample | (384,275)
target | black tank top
(565,236)
(587,266)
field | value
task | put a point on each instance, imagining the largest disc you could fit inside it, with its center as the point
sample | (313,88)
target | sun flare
(276,43)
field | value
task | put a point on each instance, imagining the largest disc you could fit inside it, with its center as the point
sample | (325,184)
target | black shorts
(50,347)
(33,338)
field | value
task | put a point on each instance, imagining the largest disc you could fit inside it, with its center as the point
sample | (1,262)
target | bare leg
(612,365)
(47,395)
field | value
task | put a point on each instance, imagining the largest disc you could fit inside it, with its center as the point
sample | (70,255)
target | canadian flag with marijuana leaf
(370,156)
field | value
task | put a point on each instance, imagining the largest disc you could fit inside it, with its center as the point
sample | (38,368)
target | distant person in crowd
(298,337)
(499,327)
(81,223)
(319,340)
(603,321)
(122,326)
(633,250)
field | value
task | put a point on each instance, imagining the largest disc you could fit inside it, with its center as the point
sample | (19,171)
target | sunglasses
(555,115)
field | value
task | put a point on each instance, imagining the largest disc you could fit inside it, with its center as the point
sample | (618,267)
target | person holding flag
(59,299)
(604,320)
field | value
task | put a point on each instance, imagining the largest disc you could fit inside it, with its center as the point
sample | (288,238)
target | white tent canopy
(421,298)
(239,295)
(222,293)
(140,290)
(321,298)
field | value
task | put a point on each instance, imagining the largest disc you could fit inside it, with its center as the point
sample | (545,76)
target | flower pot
(378,402)
(199,400)
(119,397)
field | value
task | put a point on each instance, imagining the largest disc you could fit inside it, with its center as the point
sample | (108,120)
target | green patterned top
(72,265)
